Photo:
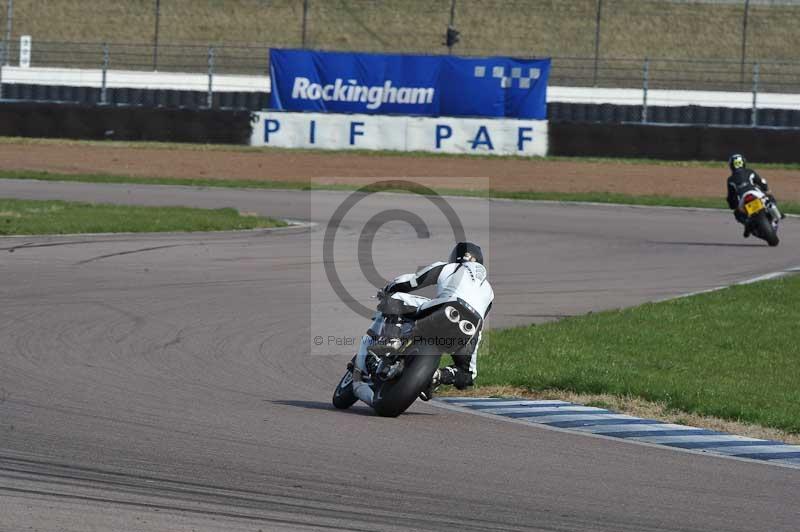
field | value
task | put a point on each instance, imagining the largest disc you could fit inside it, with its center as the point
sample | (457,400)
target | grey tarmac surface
(168,382)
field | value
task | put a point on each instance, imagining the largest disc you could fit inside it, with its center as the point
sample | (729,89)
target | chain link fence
(597,30)
(253,60)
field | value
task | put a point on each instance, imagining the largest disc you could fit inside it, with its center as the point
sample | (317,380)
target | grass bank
(595,197)
(24,217)
(731,354)
(628,29)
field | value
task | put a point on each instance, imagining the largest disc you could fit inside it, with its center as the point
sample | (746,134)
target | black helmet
(466,252)
(736,161)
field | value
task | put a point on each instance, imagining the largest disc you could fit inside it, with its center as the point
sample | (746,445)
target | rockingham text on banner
(345,82)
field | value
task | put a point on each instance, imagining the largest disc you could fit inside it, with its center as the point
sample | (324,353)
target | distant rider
(740,181)
(462,279)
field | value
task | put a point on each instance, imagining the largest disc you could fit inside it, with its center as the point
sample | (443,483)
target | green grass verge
(25,217)
(597,197)
(732,354)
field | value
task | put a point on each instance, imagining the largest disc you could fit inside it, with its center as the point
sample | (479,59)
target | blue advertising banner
(343,82)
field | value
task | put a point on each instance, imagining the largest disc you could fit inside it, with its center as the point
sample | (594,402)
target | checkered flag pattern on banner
(507,81)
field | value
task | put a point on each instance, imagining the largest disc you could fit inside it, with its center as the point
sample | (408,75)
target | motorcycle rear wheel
(765,230)
(392,398)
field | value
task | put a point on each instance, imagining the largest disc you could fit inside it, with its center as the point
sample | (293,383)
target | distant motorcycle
(762,213)
(400,365)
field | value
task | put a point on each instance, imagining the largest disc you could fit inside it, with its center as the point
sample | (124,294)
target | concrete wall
(674,142)
(307,130)
(98,123)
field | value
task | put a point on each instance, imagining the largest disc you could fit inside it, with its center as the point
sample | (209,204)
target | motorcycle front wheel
(343,396)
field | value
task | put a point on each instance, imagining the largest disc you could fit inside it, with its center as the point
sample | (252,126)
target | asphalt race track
(168,382)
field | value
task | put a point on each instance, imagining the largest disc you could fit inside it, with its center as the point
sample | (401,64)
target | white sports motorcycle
(398,357)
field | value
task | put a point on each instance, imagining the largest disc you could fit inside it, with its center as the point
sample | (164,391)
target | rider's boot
(454,375)
(360,388)
(427,393)
(458,377)
(776,212)
(742,219)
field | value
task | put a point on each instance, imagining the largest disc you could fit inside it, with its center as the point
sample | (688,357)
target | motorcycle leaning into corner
(762,215)
(401,351)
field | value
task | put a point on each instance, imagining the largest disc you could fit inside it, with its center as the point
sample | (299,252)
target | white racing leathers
(464,284)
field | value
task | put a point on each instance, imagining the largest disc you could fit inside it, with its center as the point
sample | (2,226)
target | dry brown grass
(242,31)
(562,28)
(633,406)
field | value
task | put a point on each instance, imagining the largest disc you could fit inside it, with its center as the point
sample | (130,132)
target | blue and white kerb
(588,419)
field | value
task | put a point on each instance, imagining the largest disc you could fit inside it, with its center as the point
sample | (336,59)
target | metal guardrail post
(104,84)
(597,40)
(156,23)
(754,113)
(645,87)
(210,96)
(744,37)
(2,63)
(305,23)
(451,29)
(9,27)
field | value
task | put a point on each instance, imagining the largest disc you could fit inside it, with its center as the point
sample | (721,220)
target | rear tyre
(343,396)
(765,230)
(392,398)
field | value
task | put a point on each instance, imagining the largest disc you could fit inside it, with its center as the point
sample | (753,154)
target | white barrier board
(226,82)
(400,133)
(133,79)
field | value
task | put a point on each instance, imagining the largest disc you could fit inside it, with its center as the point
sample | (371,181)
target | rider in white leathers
(462,279)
